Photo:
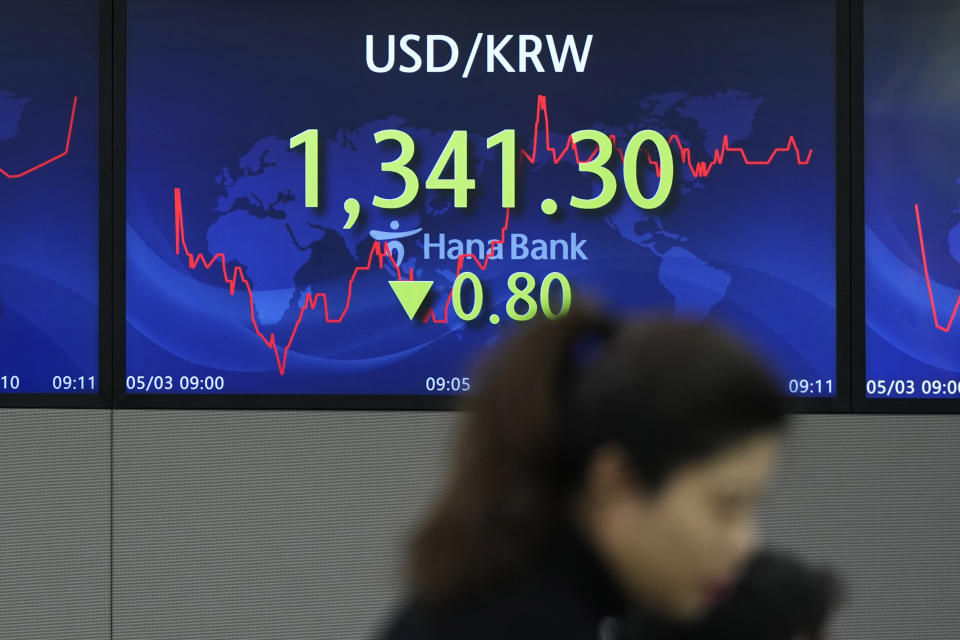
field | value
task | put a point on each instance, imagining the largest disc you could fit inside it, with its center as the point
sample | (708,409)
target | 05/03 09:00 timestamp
(57,383)
(173,383)
(907,388)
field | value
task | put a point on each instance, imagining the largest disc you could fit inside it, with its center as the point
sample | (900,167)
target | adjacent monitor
(912,198)
(49,197)
(361,198)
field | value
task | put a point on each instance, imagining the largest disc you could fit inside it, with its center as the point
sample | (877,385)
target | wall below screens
(270,525)
(54,524)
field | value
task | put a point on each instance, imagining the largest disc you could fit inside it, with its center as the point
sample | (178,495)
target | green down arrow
(411,294)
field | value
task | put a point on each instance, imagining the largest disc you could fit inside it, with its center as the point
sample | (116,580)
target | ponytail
(508,488)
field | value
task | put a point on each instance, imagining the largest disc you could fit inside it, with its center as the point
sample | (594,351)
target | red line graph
(699,169)
(378,251)
(311,301)
(66,150)
(382,253)
(926,275)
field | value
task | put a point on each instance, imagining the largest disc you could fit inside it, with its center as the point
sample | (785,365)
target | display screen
(49,196)
(912,198)
(362,197)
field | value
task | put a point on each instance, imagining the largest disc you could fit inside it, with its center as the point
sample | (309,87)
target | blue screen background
(49,218)
(215,90)
(912,129)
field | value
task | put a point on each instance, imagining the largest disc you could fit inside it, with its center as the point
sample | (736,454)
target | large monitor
(912,198)
(49,198)
(359,198)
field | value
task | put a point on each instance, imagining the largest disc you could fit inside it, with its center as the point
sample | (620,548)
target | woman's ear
(609,474)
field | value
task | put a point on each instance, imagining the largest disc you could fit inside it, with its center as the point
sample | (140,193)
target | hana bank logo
(391,239)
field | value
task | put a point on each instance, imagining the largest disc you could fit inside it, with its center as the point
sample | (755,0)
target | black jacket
(568,595)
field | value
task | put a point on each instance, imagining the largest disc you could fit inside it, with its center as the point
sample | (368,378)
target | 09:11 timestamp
(802,386)
(57,383)
(71,383)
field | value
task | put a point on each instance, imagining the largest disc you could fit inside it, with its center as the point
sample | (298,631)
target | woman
(602,465)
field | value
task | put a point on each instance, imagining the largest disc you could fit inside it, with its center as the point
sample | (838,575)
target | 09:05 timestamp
(439,383)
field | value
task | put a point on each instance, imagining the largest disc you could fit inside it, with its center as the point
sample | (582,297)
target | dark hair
(775,599)
(667,392)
